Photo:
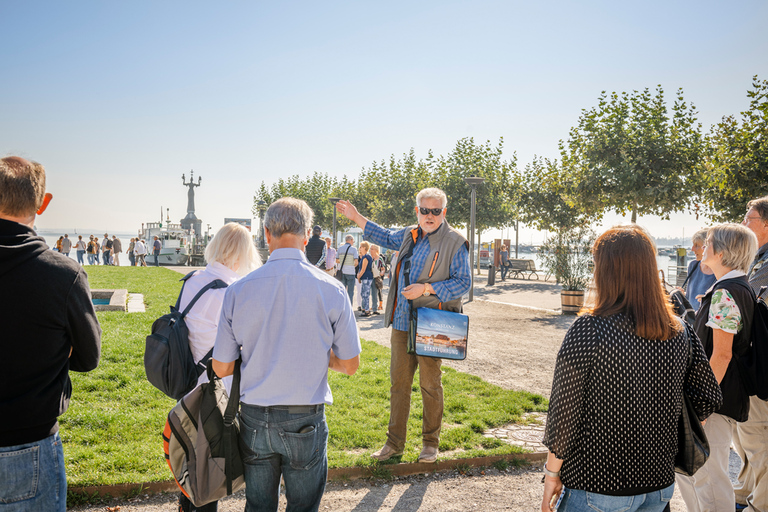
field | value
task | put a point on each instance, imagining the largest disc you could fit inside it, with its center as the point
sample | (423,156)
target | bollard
(491,275)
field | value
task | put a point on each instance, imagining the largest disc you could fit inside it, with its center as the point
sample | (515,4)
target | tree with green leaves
(629,155)
(736,168)
(548,202)
(494,203)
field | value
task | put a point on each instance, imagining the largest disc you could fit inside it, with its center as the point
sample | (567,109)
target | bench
(519,268)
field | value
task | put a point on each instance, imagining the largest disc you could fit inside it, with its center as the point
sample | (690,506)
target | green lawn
(112,431)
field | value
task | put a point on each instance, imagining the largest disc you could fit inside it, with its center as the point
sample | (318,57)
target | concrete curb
(354,473)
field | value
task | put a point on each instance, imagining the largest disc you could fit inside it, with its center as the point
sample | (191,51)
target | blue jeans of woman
(80,257)
(583,501)
(32,476)
(284,440)
(365,293)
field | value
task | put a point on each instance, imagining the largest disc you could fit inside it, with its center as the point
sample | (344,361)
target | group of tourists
(617,393)
(625,363)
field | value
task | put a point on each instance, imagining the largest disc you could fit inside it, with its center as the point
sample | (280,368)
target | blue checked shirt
(453,288)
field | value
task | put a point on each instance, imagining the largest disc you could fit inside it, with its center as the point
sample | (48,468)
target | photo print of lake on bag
(438,333)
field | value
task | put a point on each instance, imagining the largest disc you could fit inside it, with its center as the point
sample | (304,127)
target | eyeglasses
(747,218)
(433,211)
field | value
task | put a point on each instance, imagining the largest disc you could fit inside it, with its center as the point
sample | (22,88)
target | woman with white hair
(231,254)
(723,323)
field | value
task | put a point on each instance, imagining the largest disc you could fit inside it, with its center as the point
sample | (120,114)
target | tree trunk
(634,212)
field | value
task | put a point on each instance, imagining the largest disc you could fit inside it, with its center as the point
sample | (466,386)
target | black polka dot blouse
(615,404)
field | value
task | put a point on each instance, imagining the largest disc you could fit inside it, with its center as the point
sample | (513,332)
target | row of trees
(632,152)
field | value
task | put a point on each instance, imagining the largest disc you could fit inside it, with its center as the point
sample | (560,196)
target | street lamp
(333,201)
(472,181)
(261,206)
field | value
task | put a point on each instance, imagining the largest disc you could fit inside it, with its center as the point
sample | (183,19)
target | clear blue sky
(118,99)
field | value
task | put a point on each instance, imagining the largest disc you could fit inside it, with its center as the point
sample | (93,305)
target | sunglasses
(433,211)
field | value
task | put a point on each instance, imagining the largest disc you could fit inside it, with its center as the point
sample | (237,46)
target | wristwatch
(426,291)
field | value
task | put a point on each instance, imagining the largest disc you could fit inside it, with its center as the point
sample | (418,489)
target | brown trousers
(402,369)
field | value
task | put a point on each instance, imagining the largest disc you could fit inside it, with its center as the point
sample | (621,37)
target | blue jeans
(105,257)
(365,293)
(583,501)
(156,254)
(33,477)
(348,280)
(80,257)
(272,445)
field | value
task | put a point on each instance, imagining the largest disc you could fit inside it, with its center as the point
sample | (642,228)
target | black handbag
(339,274)
(692,443)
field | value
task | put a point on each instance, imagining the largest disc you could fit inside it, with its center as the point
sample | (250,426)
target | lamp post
(208,234)
(333,201)
(261,206)
(472,181)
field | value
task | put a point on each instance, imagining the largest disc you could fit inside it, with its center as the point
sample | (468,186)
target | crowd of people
(617,392)
(107,252)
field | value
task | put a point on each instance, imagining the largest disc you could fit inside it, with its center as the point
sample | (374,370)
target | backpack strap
(230,443)
(183,281)
(216,283)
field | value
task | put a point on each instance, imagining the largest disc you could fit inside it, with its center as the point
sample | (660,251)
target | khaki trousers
(750,440)
(710,489)
(402,369)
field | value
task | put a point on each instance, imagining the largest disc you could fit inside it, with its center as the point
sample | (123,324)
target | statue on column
(191,222)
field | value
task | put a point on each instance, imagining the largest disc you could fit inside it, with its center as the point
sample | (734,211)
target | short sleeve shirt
(724,314)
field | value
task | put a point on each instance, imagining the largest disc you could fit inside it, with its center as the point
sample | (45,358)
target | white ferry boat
(175,240)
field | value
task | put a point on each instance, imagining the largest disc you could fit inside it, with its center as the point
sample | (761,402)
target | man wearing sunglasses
(432,271)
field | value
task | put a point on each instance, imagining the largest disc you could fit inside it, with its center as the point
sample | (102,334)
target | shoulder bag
(339,273)
(692,443)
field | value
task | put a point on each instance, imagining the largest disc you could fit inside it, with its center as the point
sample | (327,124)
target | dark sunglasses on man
(433,211)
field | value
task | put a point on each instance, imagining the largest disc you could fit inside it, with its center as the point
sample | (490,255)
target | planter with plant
(568,256)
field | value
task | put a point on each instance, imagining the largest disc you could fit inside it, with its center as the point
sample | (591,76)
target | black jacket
(314,249)
(735,398)
(46,310)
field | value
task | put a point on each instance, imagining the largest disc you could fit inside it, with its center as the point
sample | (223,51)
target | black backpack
(168,360)
(754,363)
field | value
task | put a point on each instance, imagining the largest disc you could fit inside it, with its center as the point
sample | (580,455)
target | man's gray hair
(349,238)
(700,236)
(432,193)
(737,244)
(761,207)
(288,215)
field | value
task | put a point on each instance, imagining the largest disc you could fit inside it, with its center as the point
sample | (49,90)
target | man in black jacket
(48,327)
(315,246)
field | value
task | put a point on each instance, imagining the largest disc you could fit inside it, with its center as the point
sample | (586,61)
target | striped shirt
(450,289)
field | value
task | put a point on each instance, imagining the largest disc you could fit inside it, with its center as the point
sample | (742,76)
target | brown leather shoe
(428,454)
(386,453)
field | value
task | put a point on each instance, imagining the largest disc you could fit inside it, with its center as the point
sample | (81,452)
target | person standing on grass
(117,248)
(80,248)
(378,279)
(285,362)
(49,328)
(434,258)
(230,255)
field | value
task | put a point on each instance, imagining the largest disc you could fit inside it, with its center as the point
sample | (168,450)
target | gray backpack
(200,441)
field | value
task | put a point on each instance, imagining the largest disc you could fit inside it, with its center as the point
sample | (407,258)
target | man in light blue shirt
(290,322)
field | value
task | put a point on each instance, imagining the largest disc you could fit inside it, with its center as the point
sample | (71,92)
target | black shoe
(375,312)
(359,308)
(367,313)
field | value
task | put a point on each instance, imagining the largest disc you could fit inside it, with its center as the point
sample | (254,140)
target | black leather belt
(291,409)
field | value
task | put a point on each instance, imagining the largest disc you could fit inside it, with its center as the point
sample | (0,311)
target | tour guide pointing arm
(438,259)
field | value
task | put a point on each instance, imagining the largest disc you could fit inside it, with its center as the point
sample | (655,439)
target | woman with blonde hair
(231,254)
(365,277)
(723,323)
(618,386)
